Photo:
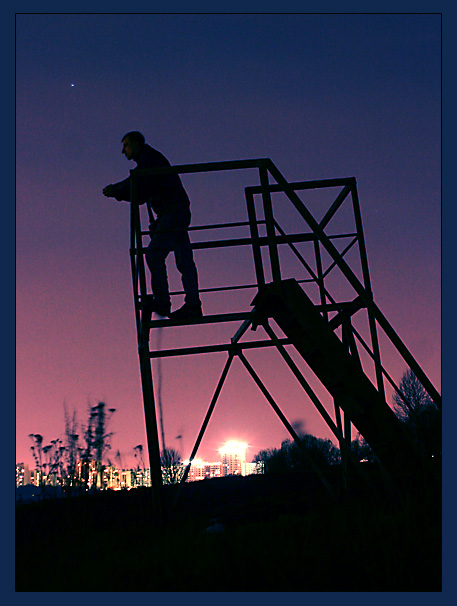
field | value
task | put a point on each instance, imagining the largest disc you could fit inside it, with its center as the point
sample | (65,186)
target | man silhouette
(167,198)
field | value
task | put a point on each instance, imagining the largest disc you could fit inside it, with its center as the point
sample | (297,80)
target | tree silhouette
(74,464)
(138,453)
(71,452)
(172,468)
(311,452)
(48,459)
(53,453)
(140,467)
(362,450)
(96,441)
(418,413)
(100,418)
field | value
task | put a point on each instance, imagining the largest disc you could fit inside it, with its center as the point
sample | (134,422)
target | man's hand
(108,191)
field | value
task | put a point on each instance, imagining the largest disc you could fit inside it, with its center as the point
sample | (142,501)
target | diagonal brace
(286,423)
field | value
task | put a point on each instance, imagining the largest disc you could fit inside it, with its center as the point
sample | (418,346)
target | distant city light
(195,462)
(233,447)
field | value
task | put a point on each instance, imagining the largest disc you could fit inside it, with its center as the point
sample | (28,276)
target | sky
(323,96)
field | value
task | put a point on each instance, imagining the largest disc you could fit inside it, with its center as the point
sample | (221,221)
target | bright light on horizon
(233,447)
(195,462)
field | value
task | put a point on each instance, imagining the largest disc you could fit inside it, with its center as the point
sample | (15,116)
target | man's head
(132,144)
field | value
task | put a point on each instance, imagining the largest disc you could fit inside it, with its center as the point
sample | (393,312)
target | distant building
(22,474)
(232,463)
(251,468)
(26,476)
(233,459)
(213,470)
(201,470)
(196,471)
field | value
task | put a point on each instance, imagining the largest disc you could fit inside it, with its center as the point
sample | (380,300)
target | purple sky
(323,96)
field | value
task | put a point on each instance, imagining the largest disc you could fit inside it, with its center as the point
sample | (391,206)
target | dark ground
(257,533)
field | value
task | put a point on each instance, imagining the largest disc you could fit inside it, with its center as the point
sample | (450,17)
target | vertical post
(135,213)
(343,443)
(151,430)
(256,251)
(271,236)
(348,340)
(134,220)
(320,276)
(367,284)
(144,358)
(133,265)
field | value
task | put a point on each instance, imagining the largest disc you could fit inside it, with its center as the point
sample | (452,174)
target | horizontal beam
(223,225)
(261,240)
(211,319)
(223,347)
(200,168)
(212,226)
(231,288)
(300,185)
(245,315)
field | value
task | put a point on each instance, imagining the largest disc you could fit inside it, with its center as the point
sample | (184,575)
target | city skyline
(320,103)
(233,461)
(228,446)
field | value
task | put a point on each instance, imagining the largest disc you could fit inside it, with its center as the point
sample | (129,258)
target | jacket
(163,192)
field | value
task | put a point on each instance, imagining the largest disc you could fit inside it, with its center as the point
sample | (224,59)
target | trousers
(169,233)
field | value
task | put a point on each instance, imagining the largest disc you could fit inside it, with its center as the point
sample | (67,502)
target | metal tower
(305,312)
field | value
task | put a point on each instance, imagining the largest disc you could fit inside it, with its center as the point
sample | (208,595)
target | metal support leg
(268,210)
(256,251)
(151,433)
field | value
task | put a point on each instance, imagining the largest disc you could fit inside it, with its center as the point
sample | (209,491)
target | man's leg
(162,242)
(192,307)
(185,264)
(186,267)
(170,233)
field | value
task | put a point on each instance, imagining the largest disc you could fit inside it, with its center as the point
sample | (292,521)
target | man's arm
(120,191)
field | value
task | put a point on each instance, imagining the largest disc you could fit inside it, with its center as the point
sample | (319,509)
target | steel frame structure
(338,314)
